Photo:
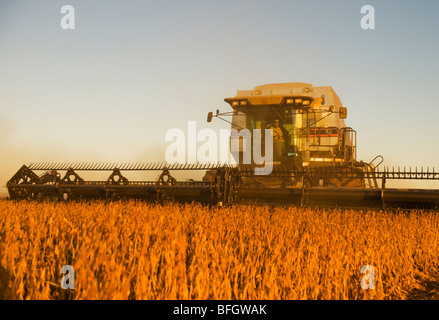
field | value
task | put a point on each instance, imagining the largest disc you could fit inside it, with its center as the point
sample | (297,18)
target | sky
(110,89)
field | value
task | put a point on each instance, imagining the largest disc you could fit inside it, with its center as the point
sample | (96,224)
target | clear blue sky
(131,70)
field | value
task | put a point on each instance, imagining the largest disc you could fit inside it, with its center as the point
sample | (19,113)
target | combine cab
(308,132)
(312,162)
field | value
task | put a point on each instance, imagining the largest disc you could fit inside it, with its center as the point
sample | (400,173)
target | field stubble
(135,250)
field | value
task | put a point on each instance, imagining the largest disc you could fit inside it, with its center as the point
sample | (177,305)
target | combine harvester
(314,162)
